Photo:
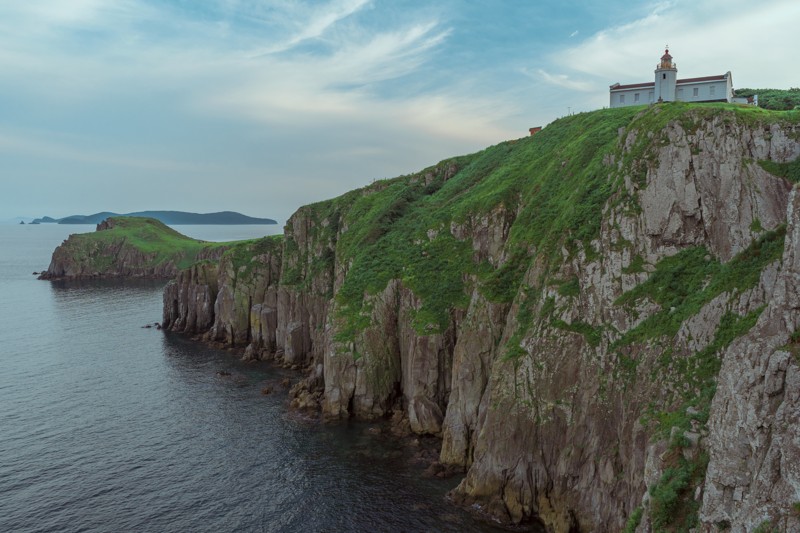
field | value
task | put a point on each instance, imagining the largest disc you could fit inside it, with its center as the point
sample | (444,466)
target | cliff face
(599,322)
(754,437)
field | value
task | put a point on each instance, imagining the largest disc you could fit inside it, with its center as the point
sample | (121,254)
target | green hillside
(774,99)
(551,186)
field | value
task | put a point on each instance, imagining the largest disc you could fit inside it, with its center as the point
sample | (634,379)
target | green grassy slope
(775,99)
(155,238)
(554,180)
(552,186)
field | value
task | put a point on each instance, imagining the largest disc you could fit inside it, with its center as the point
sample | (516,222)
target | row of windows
(712,91)
(636,97)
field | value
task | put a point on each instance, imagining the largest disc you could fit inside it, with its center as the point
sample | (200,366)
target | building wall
(665,84)
(646,96)
(685,92)
(704,91)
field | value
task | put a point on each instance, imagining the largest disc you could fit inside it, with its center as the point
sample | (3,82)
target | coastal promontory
(128,247)
(600,322)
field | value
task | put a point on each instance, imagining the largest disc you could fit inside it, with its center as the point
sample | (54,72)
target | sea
(107,425)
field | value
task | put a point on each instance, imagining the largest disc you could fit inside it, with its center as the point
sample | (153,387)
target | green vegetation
(243,255)
(755,226)
(633,521)
(766,527)
(774,99)
(793,346)
(569,288)
(789,171)
(672,504)
(683,283)
(400,229)
(428,231)
(592,335)
(549,189)
(524,321)
(636,266)
(154,238)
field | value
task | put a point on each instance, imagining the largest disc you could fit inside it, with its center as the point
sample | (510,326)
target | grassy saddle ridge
(158,242)
(552,187)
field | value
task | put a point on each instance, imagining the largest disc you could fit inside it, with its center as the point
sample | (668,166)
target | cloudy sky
(261,106)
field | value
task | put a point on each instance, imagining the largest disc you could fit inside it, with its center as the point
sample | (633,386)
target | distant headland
(167,217)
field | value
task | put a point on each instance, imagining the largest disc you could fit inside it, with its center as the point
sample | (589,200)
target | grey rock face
(754,444)
(560,437)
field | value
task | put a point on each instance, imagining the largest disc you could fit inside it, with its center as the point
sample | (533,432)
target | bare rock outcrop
(754,443)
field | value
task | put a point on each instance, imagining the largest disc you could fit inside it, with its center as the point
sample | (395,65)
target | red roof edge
(618,87)
(633,86)
(704,78)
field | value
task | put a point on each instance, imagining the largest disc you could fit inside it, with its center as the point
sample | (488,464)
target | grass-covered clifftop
(774,99)
(401,229)
(551,188)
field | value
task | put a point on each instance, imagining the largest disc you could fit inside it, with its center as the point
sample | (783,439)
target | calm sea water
(108,426)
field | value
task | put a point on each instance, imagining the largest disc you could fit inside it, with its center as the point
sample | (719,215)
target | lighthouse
(667,88)
(666,79)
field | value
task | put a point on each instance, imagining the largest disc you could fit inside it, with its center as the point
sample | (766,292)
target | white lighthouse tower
(666,78)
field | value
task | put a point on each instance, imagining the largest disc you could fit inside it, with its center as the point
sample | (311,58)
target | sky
(262,106)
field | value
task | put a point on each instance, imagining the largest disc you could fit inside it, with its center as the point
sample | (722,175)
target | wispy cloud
(313,88)
(65,151)
(705,38)
(275,93)
(563,80)
(312,24)
(222,76)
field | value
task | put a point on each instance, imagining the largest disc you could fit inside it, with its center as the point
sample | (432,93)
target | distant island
(167,217)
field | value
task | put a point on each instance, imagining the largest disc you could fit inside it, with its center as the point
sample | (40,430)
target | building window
(636,97)
(650,96)
(663,76)
(680,94)
(695,92)
(622,99)
(712,90)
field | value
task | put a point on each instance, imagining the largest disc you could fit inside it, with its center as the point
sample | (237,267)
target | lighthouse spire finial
(666,60)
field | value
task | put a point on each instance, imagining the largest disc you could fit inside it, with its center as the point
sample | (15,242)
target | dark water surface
(107,426)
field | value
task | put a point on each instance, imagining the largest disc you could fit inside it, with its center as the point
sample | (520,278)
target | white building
(667,88)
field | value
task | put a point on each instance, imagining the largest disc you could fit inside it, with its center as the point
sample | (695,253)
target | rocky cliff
(128,248)
(598,321)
